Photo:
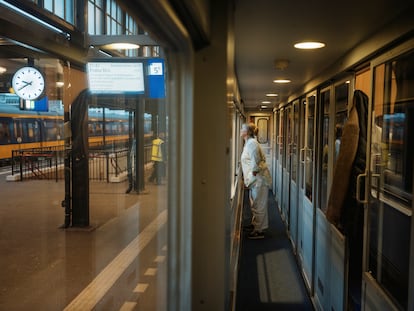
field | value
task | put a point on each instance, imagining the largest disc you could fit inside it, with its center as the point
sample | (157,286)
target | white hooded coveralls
(253,160)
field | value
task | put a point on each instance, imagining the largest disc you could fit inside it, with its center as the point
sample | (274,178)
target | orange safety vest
(156,154)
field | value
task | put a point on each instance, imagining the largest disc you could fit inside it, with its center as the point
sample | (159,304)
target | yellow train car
(24,129)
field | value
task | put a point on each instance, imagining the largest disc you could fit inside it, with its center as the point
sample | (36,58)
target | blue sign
(156,78)
(35,105)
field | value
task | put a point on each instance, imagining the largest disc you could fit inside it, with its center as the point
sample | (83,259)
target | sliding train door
(330,254)
(294,164)
(306,192)
(324,171)
(388,246)
(279,156)
(287,141)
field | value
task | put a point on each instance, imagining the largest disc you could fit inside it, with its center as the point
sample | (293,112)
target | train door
(306,195)
(330,258)
(279,157)
(388,246)
(294,164)
(275,150)
(300,195)
(263,136)
(324,172)
(287,121)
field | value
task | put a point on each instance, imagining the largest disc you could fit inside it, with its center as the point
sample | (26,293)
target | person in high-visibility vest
(157,156)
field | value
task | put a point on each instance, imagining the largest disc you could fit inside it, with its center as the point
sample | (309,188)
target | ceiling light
(271,95)
(120,46)
(266,102)
(309,45)
(263,107)
(281,81)
(2,70)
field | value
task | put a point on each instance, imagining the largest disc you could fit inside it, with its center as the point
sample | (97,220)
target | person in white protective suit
(257,178)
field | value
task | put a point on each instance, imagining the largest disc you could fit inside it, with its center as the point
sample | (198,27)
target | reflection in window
(309,150)
(4,132)
(295,139)
(62,8)
(281,134)
(95,17)
(325,98)
(392,167)
(341,113)
(262,133)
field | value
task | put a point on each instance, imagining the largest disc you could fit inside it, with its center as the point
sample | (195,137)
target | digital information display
(116,77)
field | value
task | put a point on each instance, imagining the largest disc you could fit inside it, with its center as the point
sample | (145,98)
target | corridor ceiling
(266,30)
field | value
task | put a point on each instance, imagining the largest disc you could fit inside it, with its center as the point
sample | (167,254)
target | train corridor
(269,277)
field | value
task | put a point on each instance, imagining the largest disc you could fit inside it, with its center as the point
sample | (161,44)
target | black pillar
(139,152)
(67,200)
(80,158)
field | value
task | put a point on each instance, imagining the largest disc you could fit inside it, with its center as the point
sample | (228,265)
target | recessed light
(281,81)
(271,95)
(309,45)
(120,46)
(266,102)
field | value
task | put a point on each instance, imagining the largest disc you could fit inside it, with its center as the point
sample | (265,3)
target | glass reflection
(391,182)
(325,101)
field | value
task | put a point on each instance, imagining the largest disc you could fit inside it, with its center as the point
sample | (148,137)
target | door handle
(358,189)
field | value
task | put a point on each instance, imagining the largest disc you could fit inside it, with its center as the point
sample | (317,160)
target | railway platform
(117,263)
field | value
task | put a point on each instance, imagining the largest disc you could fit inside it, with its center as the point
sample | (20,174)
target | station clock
(28,83)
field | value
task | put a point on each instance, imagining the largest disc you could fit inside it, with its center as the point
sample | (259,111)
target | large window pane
(391,182)
(310,136)
(295,142)
(341,112)
(325,105)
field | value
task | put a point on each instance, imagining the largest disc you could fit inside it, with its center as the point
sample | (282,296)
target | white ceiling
(265,30)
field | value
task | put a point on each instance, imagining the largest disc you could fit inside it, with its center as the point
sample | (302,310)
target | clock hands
(25,84)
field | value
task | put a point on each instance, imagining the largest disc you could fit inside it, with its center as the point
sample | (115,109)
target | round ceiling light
(281,81)
(309,45)
(120,46)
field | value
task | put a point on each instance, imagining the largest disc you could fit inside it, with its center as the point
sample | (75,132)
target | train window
(91,128)
(52,130)
(325,106)
(295,140)
(341,112)
(280,134)
(32,131)
(98,128)
(263,131)
(391,176)
(288,141)
(311,100)
(5,135)
(110,127)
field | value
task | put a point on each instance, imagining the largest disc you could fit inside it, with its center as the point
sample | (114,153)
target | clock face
(28,83)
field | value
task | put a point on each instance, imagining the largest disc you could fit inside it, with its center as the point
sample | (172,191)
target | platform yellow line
(97,289)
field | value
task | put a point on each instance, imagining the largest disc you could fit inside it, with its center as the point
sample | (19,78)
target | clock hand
(25,84)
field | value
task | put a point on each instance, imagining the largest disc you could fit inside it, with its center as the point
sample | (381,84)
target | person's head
(247,130)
